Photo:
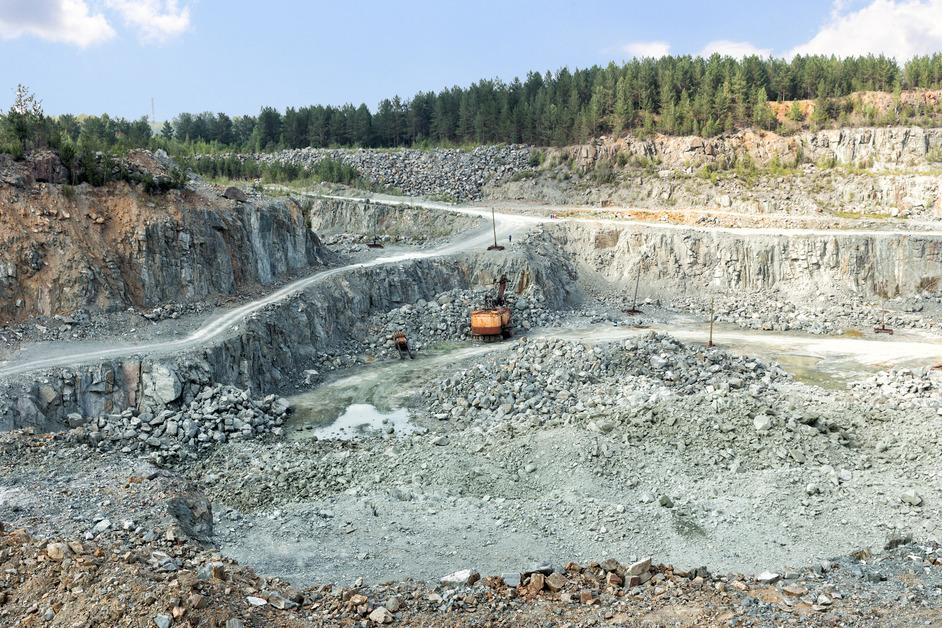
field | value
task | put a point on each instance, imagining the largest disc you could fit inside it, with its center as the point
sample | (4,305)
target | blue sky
(94,56)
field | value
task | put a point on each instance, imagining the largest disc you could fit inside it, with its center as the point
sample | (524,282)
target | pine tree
(795,113)
(25,118)
(762,115)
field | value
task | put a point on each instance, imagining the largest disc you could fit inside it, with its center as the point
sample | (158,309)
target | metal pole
(710,343)
(494,224)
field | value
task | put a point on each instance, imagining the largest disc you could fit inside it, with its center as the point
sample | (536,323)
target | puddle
(369,398)
(359,419)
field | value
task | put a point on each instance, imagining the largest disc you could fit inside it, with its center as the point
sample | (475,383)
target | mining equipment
(402,345)
(882,328)
(375,244)
(492,322)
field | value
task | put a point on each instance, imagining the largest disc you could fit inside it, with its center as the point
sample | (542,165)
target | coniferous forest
(671,95)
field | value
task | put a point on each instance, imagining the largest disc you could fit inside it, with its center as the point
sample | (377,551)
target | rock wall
(690,261)
(274,346)
(893,146)
(332,216)
(109,248)
(810,191)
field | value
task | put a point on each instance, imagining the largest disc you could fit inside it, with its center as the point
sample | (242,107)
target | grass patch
(523,175)
(860,216)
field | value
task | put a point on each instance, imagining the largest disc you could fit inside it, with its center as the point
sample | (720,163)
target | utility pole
(153,113)
(634,300)
(710,342)
(495,246)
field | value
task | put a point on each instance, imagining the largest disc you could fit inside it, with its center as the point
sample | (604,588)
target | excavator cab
(402,345)
(493,322)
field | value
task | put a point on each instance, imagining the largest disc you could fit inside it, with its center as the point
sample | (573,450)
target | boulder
(235,194)
(46,167)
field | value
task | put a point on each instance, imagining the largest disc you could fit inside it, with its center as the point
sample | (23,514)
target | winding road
(218,325)
(66,354)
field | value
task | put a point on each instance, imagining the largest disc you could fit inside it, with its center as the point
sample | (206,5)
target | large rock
(161,385)
(46,167)
(235,194)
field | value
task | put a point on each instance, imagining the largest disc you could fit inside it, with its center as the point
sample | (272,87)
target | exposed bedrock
(106,250)
(216,253)
(879,145)
(273,347)
(400,222)
(687,261)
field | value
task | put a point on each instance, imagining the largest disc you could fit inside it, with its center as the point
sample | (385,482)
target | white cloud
(898,29)
(154,20)
(647,48)
(737,49)
(63,21)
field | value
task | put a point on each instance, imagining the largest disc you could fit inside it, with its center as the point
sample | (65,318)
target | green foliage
(745,167)
(776,168)
(672,95)
(232,167)
(522,175)
(602,172)
(334,171)
(536,158)
(794,112)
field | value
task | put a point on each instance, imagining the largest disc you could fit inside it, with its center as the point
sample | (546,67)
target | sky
(235,56)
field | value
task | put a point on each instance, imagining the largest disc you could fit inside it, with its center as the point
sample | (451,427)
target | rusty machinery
(882,328)
(402,345)
(375,244)
(492,322)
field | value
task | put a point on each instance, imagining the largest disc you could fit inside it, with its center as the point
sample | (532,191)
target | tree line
(671,95)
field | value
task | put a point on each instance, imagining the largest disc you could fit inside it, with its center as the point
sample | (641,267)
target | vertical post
(494,225)
(710,343)
(634,299)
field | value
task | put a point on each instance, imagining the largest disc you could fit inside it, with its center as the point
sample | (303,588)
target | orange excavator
(402,345)
(492,322)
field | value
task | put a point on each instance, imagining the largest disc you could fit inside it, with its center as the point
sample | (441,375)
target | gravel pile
(545,376)
(448,317)
(770,312)
(218,414)
(348,243)
(903,388)
(448,173)
(724,410)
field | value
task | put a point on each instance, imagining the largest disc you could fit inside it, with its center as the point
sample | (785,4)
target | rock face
(873,145)
(448,172)
(46,167)
(109,248)
(809,191)
(397,222)
(692,260)
(279,342)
